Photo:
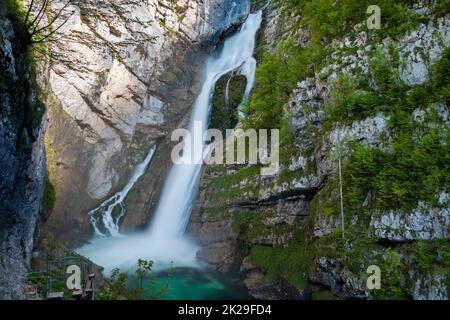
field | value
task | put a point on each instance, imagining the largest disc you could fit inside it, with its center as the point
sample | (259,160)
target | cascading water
(164,241)
(179,193)
(102,218)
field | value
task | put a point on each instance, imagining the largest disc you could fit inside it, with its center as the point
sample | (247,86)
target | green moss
(230,180)
(329,19)
(218,212)
(392,269)
(289,263)
(225,104)
(323,295)
(49,199)
(15,11)
(250,225)
(276,77)
(412,167)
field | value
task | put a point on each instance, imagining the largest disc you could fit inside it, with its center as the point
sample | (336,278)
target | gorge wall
(22,157)
(365,98)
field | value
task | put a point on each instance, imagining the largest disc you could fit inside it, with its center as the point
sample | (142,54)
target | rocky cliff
(366,112)
(124,74)
(22,157)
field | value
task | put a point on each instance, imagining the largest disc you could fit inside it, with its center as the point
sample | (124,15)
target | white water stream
(103,216)
(164,241)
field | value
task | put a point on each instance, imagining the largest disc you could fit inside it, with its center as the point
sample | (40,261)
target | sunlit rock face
(124,74)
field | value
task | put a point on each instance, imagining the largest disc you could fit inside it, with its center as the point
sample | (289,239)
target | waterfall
(227,93)
(164,241)
(180,190)
(102,218)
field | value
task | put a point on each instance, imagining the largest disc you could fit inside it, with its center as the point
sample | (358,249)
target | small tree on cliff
(40,24)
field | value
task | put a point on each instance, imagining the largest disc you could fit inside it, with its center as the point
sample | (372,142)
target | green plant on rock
(392,282)
(329,19)
(290,263)
(118,287)
(49,194)
(276,77)
(33,23)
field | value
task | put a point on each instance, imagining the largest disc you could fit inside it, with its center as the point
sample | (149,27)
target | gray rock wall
(22,163)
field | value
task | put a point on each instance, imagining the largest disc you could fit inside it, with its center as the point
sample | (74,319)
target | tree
(39,25)
(118,286)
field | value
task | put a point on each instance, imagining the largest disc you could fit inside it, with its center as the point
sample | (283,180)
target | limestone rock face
(22,163)
(124,75)
(263,210)
(430,38)
(424,223)
(431,288)
(336,276)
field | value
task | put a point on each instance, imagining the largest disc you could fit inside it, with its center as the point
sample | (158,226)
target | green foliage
(442,7)
(279,72)
(276,77)
(440,79)
(416,169)
(329,19)
(413,166)
(49,199)
(15,11)
(225,111)
(118,287)
(350,102)
(417,165)
(24,112)
(391,281)
(427,255)
(290,263)
(355,98)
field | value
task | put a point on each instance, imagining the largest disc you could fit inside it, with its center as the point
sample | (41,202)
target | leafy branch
(118,287)
(37,31)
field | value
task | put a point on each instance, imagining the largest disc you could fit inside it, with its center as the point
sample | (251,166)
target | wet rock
(262,288)
(228,95)
(222,255)
(331,273)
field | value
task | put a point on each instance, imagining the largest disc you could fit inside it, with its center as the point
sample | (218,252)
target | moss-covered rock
(228,96)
